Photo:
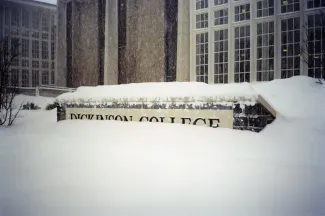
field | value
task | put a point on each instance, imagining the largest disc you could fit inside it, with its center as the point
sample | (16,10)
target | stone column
(183,41)
(111,43)
(61,45)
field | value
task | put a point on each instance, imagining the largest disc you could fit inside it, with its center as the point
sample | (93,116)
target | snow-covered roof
(174,91)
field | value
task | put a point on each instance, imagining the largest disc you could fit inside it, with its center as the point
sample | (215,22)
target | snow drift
(116,168)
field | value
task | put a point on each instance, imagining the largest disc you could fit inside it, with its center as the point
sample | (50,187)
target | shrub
(52,106)
(30,106)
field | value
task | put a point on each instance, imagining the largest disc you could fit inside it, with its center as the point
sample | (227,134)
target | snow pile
(175,91)
(298,97)
(39,101)
(87,168)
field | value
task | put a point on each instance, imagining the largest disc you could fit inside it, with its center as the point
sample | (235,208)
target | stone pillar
(111,43)
(183,41)
(61,45)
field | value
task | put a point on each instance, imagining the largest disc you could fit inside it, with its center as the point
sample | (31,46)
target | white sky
(48,1)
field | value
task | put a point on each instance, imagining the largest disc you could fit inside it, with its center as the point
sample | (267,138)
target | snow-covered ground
(77,168)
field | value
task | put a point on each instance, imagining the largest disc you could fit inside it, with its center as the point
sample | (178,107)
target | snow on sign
(227,106)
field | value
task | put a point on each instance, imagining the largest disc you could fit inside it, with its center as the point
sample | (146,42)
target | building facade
(212,41)
(256,40)
(32,25)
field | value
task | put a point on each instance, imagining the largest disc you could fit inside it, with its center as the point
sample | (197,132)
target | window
(316,45)
(25,18)
(290,47)
(35,35)
(242,12)
(45,64)
(45,36)
(221,56)
(35,64)
(25,33)
(15,12)
(14,47)
(45,77)
(315,3)
(25,78)
(7,16)
(265,8)
(25,48)
(52,51)
(202,54)
(24,63)
(220,2)
(35,20)
(14,32)
(221,17)
(45,51)
(45,22)
(202,20)
(288,6)
(35,78)
(265,51)
(14,77)
(52,65)
(15,62)
(52,78)
(201,4)
(35,49)
(242,54)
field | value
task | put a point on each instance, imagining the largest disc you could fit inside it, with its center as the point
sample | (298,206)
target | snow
(48,1)
(130,168)
(39,101)
(174,91)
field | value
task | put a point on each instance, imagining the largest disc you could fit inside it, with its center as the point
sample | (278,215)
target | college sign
(243,115)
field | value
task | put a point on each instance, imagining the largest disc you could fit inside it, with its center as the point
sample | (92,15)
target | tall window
(242,54)
(45,22)
(52,78)
(45,50)
(7,16)
(265,51)
(45,77)
(35,49)
(14,77)
(288,6)
(315,3)
(35,20)
(202,20)
(201,4)
(15,17)
(202,55)
(290,47)
(221,56)
(265,8)
(221,17)
(242,12)
(25,48)
(220,2)
(316,45)
(35,78)
(25,18)
(25,78)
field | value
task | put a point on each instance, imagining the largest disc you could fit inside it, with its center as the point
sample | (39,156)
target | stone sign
(241,115)
(210,118)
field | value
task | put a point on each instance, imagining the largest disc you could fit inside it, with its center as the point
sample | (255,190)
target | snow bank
(105,168)
(39,101)
(176,91)
(297,97)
